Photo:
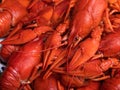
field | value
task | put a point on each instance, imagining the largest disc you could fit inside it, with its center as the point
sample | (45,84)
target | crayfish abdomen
(21,65)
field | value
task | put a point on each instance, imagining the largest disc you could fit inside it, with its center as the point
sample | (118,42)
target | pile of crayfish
(60,44)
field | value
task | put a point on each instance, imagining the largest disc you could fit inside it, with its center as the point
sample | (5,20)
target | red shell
(47,84)
(111,84)
(110,44)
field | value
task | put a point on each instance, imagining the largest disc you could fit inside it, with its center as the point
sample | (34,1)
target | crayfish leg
(101,78)
(25,87)
(57,62)
(60,86)
(35,72)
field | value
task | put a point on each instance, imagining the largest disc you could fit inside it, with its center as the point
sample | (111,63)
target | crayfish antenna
(49,57)
(108,25)
(60,59)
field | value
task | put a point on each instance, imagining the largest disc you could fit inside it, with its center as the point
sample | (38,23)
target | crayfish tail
(10,79)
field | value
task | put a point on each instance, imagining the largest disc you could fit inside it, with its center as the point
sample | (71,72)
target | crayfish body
(17,72)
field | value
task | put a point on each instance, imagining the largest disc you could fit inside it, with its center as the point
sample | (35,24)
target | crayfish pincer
(11,12)
(17,72)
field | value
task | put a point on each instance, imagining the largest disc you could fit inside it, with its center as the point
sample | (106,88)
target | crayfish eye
(76,38)
(33,22)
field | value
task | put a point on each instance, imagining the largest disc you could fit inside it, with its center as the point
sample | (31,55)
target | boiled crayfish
(14,76)
(60,44)
(11,12)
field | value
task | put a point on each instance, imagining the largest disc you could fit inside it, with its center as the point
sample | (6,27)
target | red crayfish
(60,44)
